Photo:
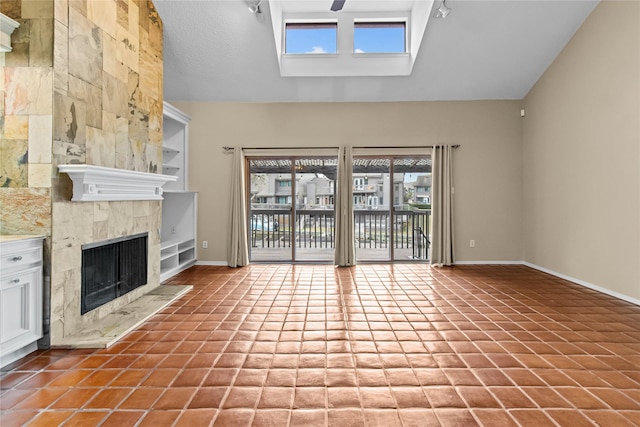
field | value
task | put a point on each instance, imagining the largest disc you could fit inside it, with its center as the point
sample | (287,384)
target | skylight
(311,37)
(365,38)
(379,37)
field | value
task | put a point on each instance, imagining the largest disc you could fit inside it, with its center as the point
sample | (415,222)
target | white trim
(583,283)
(488,263)
(7,26)
(172,112)
(216,263)
(98,183)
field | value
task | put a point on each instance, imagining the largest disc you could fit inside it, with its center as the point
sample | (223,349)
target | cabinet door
(20,302)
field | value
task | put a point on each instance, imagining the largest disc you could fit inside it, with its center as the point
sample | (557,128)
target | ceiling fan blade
(337,5)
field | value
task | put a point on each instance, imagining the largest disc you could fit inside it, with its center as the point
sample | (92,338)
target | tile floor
(373,345)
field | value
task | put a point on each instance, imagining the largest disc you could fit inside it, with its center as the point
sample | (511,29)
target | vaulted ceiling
(217,51)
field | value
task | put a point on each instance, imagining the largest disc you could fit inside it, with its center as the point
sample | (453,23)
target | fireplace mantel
(99,184)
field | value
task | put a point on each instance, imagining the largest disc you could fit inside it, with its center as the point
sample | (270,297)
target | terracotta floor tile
(532,417)
(159,418)
(410,397)
(566,417)
(196,417)
(174,398)
(276,397)
(83,419)
(75,398)
(308,417)
(269,344)
(443,397)
(122,418)
(494,417)
(455,418)
(234,418)
(382,418)
(270,418)
(190,378)
(345,417)
(49,418)
(477,397)
(310,397)
(141,398)
(19,418)
(281,378)
(377,397)
(108,398)
(100,378)
(251,377)
(41,398)
(311,377)
(343,397)
(242,397)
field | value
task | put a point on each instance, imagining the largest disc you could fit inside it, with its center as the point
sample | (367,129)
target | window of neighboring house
(284,183)
(379,37)
(282,200)
(311,37)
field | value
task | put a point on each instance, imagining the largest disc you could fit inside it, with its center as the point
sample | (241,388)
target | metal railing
(272,228)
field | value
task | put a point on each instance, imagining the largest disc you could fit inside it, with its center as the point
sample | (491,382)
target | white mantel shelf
(7,26)
(101,184)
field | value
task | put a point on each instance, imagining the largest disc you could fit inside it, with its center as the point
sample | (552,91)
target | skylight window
(311,38)
(379,37)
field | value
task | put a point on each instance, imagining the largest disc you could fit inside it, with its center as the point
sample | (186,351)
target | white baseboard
(583,283)
(488,263)
(218,263)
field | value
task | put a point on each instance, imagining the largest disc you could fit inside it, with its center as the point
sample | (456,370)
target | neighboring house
(422,189)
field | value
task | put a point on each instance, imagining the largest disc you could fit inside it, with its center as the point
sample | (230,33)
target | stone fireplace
(83,86)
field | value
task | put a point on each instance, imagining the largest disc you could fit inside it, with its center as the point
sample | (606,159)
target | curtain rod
(227,148)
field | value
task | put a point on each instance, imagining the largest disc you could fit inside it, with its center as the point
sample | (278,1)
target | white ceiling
(217,51)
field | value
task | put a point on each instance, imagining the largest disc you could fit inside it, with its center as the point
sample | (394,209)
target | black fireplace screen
(112,268)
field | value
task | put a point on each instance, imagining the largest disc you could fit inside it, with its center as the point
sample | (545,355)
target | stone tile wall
(26,119)
(83,85)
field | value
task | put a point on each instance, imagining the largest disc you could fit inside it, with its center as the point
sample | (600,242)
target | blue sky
(320,40)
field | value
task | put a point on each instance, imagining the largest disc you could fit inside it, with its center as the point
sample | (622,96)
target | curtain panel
(345,252)
(238,250)
(442,248)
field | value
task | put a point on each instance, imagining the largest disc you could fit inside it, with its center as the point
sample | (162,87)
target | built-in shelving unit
(178,239)
(175,156)
(178,233)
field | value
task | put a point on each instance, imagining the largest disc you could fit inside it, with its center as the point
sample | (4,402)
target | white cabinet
(175,155)
(178,234)
(20,296)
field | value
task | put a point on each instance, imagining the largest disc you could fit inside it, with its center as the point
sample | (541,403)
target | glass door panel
(371,208)
(270,208)
(411,208)
(291,214)
(314,208)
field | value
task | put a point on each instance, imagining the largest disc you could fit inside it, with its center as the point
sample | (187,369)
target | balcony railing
(272,228)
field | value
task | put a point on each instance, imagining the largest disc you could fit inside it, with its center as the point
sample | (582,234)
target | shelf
(170,150)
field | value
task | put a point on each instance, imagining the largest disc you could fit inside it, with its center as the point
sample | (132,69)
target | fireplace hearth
(112,268)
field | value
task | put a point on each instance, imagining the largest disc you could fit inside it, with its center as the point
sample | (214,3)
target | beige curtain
(345,254)
(238,250)
(442,205)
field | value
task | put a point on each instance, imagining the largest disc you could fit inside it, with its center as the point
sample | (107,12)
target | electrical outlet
(205,244)
(472,243)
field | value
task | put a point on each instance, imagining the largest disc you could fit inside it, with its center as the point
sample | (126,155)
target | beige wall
(488,165)
(581,155)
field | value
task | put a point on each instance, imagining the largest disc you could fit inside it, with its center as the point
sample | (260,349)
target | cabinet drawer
(17,259)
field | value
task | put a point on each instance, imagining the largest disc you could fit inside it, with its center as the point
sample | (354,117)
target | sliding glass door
(291,202)
(392,207)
